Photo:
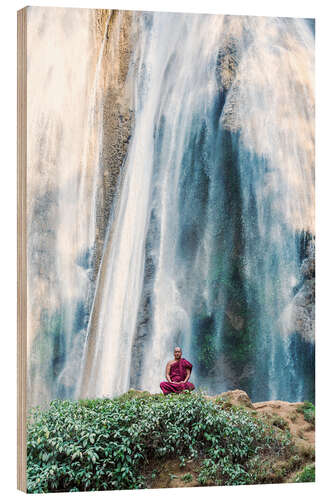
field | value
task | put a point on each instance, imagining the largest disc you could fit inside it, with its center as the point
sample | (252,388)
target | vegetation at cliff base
(308,411)
(308,475)
(119,443)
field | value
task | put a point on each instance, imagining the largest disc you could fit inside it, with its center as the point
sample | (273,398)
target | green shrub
(106,444)
(187,478)
(308,475)
(308,411)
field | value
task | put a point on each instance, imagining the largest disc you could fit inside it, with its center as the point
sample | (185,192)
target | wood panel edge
(21,248)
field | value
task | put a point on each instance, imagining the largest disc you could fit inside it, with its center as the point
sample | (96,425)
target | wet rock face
(117,118)
(228,62)
(308,264)
(304,300)
(236,321)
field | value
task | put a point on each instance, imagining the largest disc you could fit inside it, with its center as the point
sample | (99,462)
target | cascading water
(177,103)
(218,189)
(63,173)
(204,238)
(272,121)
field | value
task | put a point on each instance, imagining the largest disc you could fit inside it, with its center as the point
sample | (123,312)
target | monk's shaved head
(177,352)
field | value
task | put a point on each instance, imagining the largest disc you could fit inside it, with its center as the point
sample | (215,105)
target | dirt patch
(287,416)
(302,432)
(170,474)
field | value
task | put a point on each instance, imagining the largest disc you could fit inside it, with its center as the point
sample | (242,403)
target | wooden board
(21,247)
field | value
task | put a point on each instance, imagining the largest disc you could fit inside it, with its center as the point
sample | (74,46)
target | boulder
(237,398)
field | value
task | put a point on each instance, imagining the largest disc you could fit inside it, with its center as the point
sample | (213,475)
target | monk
(177,374)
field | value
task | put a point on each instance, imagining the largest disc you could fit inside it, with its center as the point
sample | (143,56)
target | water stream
(218,186)
(206,238)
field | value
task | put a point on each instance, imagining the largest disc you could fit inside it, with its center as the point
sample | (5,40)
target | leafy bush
(308,475)
(308,411)
(187,478)
(107,444)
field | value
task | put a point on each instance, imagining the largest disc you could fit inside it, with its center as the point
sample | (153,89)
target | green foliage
(187,478)
(106,444)
(204,342)
(308,475)
(280,422)
(207,353)
(308,411)
(49,344)
(173,476)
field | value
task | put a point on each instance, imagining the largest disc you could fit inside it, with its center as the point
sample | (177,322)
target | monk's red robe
(177,374)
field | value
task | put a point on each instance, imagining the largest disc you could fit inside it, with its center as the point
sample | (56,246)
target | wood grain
(21,247)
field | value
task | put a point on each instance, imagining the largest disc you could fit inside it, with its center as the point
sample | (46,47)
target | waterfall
(158,98)
(272,101)
(63,161)
(204,246)
(170,202)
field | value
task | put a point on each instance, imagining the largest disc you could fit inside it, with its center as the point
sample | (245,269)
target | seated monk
(178,372)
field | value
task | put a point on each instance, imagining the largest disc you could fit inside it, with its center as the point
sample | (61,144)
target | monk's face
(177,353)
